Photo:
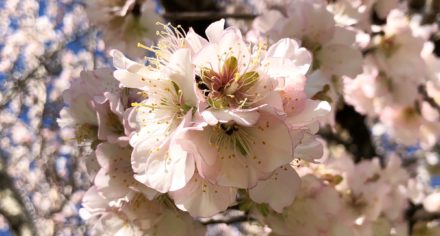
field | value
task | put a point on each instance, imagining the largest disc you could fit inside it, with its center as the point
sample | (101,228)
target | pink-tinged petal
(312,112)
(207,57)
(225,167)
(80,111)
(272,144)
(268,21)
(232,43)
(92,165)
(297,83)
(310,149)
(129,80)
(97,82)
(131,74)
(129,121)
(260,150)
(235,171)
(120,61)
(167,169)
(215,30)
(203,199)
(115,102)
(110,127)
(344,35)
(294,100)
(339,59)
(195,41)
(279,190)
(272,103)
(181,72)
(285,58)
(110,188)
(93,202)
(241,117)
(195,141)
(160,162)
(115,179)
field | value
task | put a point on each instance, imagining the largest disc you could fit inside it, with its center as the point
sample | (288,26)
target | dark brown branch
(231,220)
(19,84)
(206,16)
(20,220)
(428,99)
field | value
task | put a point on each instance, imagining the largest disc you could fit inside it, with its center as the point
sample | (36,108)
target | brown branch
(230,220)
(13,207)
(206,16)
(428,99)
(20,83)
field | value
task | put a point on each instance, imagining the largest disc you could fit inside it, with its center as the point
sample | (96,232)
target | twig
(427,98)
(20,219)
(231,220)
(20,83)
(206,15)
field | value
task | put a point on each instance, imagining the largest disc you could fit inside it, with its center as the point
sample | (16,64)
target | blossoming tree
(287,117)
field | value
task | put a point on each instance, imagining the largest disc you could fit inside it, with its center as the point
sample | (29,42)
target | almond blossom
(332,46)
(168,102)
(318,210)
(269,123)
(219,93)
(132,218)
(124,23)
(375,197)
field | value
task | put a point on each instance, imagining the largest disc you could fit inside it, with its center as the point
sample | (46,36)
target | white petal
(203,199)
(215,31)
(312,112)
(207,57)
(310,149)
(244,118)
(279,190)
(285,58)
(195,41)
(339,59)
(268,21)
(129,80)
(272,144)
(167,169)
(183,74)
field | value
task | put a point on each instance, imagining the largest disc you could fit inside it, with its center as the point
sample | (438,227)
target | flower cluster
(201,121)
(398,64)
(230,120)
(339,197)
(124,23)
(387,71)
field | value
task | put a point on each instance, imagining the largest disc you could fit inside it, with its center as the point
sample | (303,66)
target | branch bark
(13,207)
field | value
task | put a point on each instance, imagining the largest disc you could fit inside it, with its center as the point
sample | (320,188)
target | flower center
(389,46)
(227,88)
(230,136)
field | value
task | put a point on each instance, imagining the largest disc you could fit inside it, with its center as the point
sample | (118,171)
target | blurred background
(44,44)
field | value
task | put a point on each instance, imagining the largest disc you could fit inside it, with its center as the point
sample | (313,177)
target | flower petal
(241,117)
(215,31)
(203,199)
(339,59)
(312,112)
(279,190)
(285,58)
